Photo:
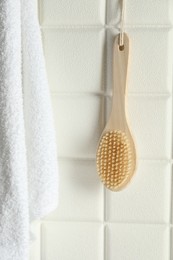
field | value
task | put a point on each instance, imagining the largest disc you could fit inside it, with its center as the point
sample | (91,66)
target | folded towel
(28,159)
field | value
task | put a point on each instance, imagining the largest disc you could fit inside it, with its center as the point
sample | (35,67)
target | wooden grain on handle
(120,65)
(117,118)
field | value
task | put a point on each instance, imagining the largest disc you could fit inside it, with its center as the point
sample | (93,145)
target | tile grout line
(104,223)
(104,94)
(170,220)
(41,244)
(102,26)
(40,224)
(104,122)
(63,158)
(170,244)
(171,200)
(105,27)
(105,241)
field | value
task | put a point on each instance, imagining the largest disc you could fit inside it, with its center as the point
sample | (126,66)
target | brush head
(115,159)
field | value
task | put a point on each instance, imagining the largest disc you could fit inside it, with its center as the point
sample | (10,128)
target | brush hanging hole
(121,47)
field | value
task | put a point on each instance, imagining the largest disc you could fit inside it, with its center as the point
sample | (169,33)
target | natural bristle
(114,159)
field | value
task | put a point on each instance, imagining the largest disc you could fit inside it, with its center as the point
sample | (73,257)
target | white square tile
(150,121)
(75,59)
(78,120)
(70,12)
(35,241)
(134,242)
(150,60)
(139,12)
(147,199)
(80,192)
(72,241)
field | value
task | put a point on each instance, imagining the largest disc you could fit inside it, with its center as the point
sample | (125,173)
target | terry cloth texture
(28,157)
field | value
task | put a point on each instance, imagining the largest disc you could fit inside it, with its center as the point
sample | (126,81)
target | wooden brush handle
(120,66)
(117,118)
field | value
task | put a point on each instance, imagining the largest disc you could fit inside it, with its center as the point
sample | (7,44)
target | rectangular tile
(77,241)
(80,192)
(69,12)
(79,121)
(134,242)
(150,122)
(147,199)
(150,60)
(75,59)
(35,241)
(139,12)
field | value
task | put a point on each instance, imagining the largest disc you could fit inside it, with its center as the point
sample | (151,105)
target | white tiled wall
(92,223)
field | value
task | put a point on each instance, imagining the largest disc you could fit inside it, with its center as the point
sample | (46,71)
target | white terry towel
(28,159)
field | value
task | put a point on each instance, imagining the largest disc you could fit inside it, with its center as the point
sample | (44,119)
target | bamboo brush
(116,156)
